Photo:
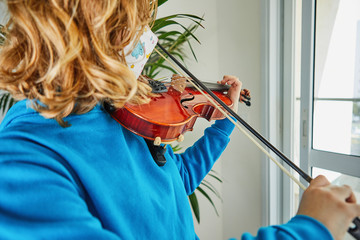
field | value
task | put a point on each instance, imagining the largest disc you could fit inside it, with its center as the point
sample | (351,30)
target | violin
(173,110)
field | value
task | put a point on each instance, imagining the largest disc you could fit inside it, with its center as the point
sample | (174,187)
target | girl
(70,171)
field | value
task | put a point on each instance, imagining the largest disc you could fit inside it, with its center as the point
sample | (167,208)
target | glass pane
(340,179)
(332,127)
(336,122)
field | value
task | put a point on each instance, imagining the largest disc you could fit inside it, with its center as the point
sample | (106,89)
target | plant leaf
(165,67)
(161,2)
(169,20)
(164,23)
(216,177)
(209,186)
(195,206)
(164,35)
(208,198)
(192,50)
(6,102)
(176,148)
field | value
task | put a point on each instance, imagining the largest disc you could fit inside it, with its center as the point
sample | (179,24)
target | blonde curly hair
(64,54)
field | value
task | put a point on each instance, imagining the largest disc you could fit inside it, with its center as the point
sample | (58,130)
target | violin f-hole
(186,100)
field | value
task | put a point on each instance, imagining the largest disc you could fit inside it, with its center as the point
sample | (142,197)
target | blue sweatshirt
(97,180)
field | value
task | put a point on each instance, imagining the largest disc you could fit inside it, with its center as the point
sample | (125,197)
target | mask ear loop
(234,122)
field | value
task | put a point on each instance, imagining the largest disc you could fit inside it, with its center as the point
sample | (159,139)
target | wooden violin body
(169,114)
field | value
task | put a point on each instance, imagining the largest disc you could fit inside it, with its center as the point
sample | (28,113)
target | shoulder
(24,132)
(19,111)
(23,113)
(23,116)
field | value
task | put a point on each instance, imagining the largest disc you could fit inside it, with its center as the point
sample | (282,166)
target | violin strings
(234,122)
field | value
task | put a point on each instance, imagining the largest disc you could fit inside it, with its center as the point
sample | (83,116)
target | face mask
(137,55)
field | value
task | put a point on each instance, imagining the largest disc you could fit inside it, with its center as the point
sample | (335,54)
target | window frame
(277,65)
(278,77)
(349,165)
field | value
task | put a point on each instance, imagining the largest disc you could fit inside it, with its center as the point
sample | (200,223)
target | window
(320,72)
(330,86)
(330,91)
(336,118)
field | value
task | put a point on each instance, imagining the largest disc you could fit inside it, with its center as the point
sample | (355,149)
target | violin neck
(177,79)
(213,86)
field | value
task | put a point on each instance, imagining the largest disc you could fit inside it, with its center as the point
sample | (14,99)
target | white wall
(230,45)
(3,13)
(242,160)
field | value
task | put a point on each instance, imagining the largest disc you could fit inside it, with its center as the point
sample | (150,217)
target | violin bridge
(178,83)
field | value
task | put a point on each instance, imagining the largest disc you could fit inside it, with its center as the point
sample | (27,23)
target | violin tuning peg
(180,138)
(248,103)
(157,141)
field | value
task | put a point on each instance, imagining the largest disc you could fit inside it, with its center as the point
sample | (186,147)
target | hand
(334,206)
(234,90)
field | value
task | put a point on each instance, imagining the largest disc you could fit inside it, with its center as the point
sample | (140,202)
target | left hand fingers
(235,86)
(245,92)
(231,80)
(234,90)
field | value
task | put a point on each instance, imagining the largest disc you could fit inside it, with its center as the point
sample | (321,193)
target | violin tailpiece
(157,86)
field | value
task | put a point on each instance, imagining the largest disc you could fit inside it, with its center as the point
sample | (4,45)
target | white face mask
(140,53)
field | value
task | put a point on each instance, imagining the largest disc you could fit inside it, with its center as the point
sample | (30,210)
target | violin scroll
(179,83)
(245,97)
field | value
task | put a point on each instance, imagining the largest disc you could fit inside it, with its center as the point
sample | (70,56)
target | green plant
(2,35)
(174,41)
(205,184)
(6,101)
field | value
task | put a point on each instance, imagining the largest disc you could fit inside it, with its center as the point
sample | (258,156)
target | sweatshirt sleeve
(198,159)
(300,227)
(56,209)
